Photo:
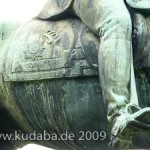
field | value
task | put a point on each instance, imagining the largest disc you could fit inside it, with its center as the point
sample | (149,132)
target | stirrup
(140,119)
(129,123)
(137,121)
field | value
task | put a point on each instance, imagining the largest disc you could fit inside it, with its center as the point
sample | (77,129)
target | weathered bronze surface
(50,71)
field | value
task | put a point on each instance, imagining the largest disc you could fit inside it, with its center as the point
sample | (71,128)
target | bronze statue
(49,80)
(111,22)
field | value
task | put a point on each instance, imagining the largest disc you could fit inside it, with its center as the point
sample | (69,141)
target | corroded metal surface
(49,75)
(50,50)
(45,97)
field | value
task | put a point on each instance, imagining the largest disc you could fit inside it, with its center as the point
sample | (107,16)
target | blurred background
(21,10)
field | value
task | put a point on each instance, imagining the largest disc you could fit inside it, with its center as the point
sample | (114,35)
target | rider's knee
(122,20)
(118,22)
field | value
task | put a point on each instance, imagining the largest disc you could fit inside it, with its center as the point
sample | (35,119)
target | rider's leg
(111,21)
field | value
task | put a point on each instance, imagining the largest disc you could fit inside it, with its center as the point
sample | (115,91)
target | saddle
(139,4)
(63,49)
